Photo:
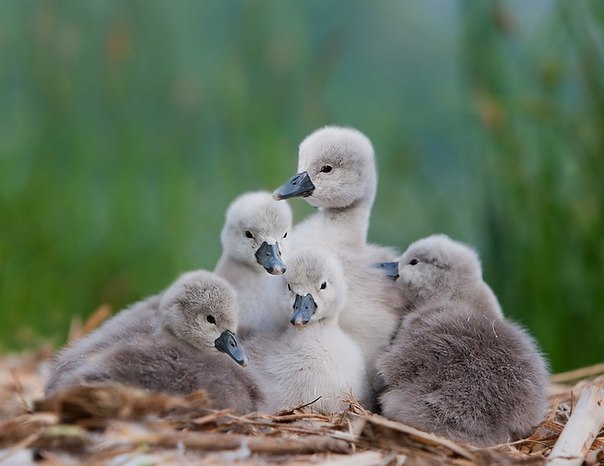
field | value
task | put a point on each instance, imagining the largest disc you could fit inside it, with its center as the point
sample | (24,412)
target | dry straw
(120,424)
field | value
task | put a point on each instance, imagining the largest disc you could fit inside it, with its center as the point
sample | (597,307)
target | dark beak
(389,268)
(267,256)
(304,308)
(227,343)
(298,186)
(379,383)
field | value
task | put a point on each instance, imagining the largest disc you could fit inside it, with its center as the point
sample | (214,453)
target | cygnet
(314,359)
(196,323)
(337,174)
(457,367)
(253,243)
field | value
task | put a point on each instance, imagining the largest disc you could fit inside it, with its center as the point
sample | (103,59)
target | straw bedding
(120,425)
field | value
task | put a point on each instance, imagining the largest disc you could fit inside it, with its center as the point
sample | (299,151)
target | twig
(580,430)
(270,445)
(423,437)
(577,374)
(19,389)
(96,319)
(216,415)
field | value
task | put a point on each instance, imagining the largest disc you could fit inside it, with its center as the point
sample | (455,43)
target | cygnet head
(437,267)
(315,280)
(336,169)
(199,308)
(255,231)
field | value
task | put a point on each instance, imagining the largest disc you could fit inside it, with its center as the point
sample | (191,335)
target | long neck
(348,224)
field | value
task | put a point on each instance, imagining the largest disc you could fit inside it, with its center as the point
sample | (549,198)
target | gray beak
(267,256)
(304,308)
(379,383)
(389,268)
(299,185)
(227,343)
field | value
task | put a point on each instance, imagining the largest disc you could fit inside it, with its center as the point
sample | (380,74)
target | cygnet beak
(379,383)
(389,268)
(304,308)
(268,256)
(227,343)
(299,185)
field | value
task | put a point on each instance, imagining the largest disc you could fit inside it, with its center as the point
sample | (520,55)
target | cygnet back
(140,318)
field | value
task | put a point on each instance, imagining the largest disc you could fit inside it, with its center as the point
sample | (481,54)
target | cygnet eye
(285,235)
(323,285)
(413,262)
(326,168)
(248,234)
(211,319)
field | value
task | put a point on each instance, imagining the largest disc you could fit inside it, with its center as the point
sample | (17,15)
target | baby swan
(337,174)
(196,319)
(457,367)
(253,240)
(314,358)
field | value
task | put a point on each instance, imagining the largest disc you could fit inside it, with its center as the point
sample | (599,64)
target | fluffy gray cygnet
(253,258)
(337,174)
(314,357)
(195,324)
(457,367)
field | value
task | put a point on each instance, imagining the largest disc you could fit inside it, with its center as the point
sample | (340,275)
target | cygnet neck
(479,298)
(350,223)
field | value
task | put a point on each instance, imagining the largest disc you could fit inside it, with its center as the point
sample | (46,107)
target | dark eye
(413,262)
(323,285)
(326,168)
(285,235)
(211,319)
(289,287)
(248,234)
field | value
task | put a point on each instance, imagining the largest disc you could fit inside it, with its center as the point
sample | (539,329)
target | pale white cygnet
(457,367)
(337,174)
(254,240)
(314,358)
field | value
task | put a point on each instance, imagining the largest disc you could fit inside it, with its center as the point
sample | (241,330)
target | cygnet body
(457,367)
(195,324)
(138,319)
(314,358)
(337,174)
(253,244)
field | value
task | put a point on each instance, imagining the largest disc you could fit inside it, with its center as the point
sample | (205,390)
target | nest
(122,425)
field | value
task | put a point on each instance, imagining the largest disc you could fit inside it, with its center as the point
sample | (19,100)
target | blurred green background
(126,128)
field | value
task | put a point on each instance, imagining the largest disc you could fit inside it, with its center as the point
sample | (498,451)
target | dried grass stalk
(581,429)
(117,402)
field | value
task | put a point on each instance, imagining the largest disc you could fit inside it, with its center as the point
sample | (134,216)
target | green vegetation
(126,128)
